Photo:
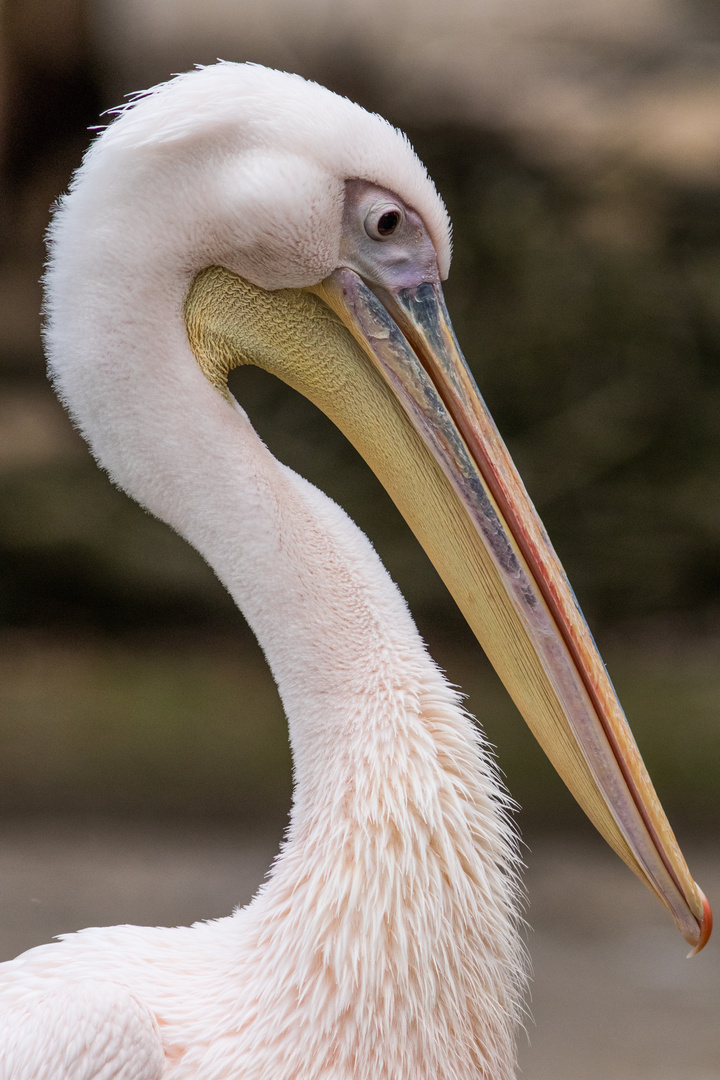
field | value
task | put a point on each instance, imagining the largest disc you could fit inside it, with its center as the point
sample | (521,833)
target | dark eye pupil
(388,222)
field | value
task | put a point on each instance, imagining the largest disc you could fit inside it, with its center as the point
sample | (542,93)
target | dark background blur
(577,146)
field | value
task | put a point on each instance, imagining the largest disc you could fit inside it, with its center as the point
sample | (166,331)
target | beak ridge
(409,337)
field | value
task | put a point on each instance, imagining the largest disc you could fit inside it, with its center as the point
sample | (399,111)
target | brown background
(577,145)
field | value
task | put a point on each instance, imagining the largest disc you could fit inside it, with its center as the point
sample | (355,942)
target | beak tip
(705,926)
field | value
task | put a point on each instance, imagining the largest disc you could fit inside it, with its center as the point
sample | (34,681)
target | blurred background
(577,146)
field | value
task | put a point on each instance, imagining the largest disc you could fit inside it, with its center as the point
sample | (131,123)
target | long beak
(390,375)
(582,727)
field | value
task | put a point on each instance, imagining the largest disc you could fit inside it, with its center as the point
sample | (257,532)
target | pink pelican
(238,215)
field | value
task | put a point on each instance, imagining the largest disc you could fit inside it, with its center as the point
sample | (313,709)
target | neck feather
(392,911)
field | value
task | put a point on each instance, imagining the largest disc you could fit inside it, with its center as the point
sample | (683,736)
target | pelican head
(288,228)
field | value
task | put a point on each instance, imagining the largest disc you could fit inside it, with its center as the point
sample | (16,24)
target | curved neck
(399,864)
(309,583)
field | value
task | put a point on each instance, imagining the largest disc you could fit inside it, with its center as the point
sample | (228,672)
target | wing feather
(88,1030)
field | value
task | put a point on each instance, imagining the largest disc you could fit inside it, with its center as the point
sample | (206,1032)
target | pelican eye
(383,222)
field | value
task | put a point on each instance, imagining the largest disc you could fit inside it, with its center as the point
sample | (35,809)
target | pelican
(239,215)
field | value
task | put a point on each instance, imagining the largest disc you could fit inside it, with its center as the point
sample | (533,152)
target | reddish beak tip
(706,925)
